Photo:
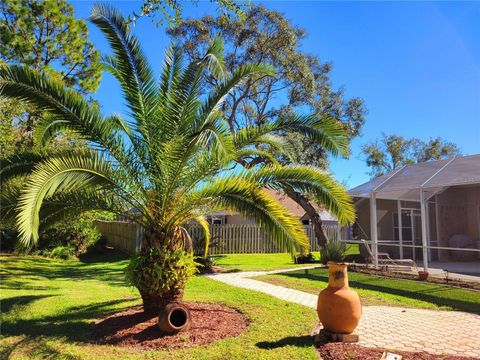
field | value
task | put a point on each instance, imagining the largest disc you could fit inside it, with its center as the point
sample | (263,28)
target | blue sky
(416,65)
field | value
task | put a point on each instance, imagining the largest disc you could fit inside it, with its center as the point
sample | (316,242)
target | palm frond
(246,197)
(70,110)
(205,226)
(9,202)
(66,174)
(327,132)
(241,156)
(65,205)
(314,182)
(130,64)
(20,164)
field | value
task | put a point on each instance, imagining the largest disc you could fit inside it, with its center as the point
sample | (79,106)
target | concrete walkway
(395,328)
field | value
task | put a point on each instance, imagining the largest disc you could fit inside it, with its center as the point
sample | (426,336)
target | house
(428,212)
(232,218)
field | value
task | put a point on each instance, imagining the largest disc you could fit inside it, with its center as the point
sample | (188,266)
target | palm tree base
(154,304)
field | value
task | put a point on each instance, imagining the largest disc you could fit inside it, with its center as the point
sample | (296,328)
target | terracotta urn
(175,317)
(338,307)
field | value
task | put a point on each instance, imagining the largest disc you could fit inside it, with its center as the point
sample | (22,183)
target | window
(216,219)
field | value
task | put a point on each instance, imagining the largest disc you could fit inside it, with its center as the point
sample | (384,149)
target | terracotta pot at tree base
(175,317)
(338,307)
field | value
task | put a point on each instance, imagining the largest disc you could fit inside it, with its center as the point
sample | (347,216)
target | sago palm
(169,164)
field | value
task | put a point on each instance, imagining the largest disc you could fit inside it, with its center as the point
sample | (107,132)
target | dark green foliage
(333,251)
(76,237)
(304,259)
(45,35)
(72,238)
(61,252)
(8,239)
(205,264)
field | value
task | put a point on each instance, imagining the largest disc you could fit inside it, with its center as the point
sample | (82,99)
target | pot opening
(178,318)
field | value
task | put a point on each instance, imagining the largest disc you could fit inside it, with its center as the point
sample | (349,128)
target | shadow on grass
(7,282)
(297,341)
(19,269)
(8,303)
(109,256)
(75,324)
(416,293)
(38,348)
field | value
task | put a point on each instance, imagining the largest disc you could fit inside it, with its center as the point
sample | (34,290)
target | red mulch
(133,328)
(342,351)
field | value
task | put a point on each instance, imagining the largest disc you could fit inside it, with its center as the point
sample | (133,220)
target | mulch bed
(342,351)
(133,328)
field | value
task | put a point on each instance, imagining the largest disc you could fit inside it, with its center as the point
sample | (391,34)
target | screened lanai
(425,212)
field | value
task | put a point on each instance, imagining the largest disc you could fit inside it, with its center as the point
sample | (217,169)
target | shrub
(97,248)
(60,252)
(205,265)
(304,258)
(332,251)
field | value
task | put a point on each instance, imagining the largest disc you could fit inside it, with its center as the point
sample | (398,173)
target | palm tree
(169,164)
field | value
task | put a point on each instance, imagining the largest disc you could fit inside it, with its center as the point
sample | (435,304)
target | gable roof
(291,205)
(286,201)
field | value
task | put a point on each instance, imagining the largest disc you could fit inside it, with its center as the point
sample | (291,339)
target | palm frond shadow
(75,324)
(297,341)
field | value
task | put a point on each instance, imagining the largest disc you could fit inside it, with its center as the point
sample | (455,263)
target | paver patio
(433,331)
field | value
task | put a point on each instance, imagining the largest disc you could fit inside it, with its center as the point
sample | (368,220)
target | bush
(60,252)
(74,237)
(97,248)
(304,258)
(332,251)
(205,265)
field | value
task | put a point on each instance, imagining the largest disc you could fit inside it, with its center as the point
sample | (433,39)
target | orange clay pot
(338,306)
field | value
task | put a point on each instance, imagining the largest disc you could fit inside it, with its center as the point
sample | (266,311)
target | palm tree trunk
(154,303)
(159,276)
(311,212)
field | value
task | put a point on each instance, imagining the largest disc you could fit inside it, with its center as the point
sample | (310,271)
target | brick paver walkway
(395,328)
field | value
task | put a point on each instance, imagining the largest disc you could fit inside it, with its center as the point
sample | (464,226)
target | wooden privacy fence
(226,239)
(122,235)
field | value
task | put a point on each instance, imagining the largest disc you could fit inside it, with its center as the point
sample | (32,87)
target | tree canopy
(45,35)
(171,10)
(302,80)
(393,151)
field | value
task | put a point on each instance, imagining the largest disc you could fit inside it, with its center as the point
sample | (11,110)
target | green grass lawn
(256,262)
(48,307)
(377,290)
(264,262)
